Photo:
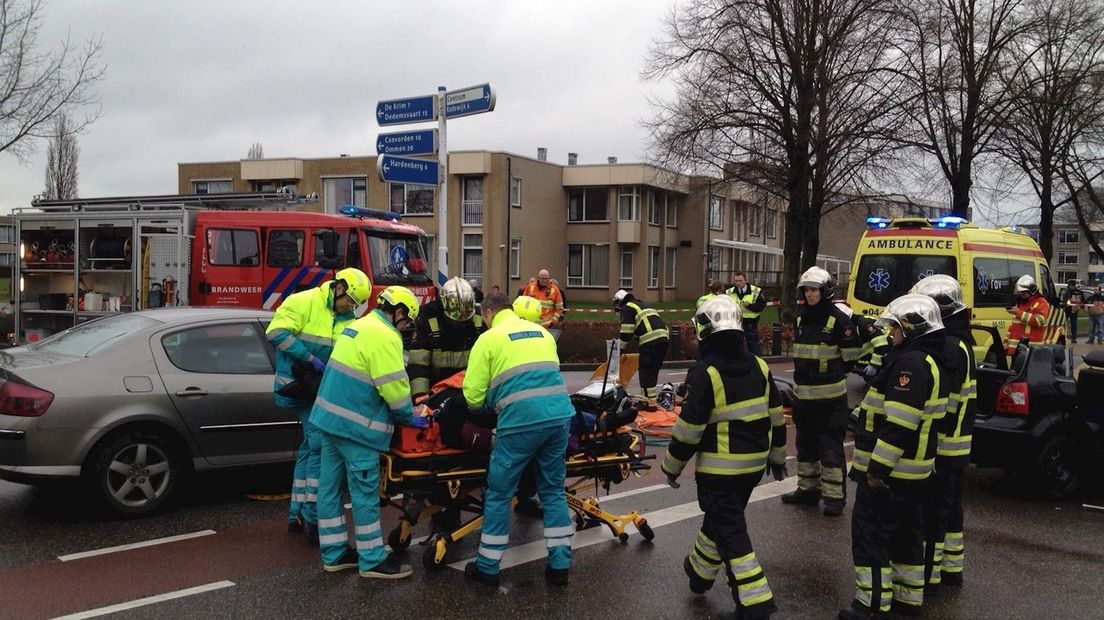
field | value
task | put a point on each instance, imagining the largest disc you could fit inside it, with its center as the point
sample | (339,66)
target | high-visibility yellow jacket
(304,327)
(644,323)
(365,390)
(515,369)
(753,295)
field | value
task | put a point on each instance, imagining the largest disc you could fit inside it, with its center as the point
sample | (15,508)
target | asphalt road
(1025,559)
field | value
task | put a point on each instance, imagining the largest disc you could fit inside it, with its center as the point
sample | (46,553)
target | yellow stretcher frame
(462,485)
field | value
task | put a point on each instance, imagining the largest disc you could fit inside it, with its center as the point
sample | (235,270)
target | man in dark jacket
(643,323)
(752,302)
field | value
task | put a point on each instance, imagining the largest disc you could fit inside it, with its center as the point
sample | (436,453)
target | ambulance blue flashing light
(950,221)
(877,222)
(354,211)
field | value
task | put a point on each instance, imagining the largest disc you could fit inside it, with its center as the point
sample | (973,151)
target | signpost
(393,169)
(419,142)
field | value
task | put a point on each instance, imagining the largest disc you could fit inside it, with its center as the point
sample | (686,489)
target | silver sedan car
(130,403)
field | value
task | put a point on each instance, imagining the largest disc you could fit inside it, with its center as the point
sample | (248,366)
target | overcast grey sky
(202,80)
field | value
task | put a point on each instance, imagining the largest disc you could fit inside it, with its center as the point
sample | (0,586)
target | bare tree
(61,161)
(791,97)
(953,53)
(256,151)
(37,86)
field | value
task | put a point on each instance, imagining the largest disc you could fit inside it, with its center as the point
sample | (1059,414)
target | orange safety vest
(1029,320)
(551,301)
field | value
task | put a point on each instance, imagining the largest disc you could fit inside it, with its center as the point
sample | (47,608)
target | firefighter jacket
(731,418)
(365,390)
(1029,320)
(514,368)
(957,427)
(440,347)
(875,342)
(751,294)
(896,431)
(644,323)
(551,300)
(825,347)
(304,327)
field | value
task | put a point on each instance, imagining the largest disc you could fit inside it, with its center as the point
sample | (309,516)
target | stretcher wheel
(645,530)
(433,558)
(623,537)
(395,539)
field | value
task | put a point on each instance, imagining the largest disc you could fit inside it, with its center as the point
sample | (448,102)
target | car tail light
(24,400)
(1013,399)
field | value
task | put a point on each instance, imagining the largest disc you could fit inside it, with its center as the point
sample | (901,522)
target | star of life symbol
(879,280)
(924,274)
(982,281)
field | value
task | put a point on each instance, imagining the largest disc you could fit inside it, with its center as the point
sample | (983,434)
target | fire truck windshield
(397,259)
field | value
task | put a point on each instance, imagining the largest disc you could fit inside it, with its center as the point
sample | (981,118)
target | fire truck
(85,258)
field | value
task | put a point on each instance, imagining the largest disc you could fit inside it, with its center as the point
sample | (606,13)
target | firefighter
(552,305)
(1030,314)
(944,547)
(895,442)
(527,308)
(716,287)
(875,343)
(364,393)
(750,298)
(652,336)
(514,369)
(732,420)
(446,330)
(303,332)
(825,348)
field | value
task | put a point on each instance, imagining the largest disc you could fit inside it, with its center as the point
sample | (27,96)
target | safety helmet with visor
(528,308)
(717,314)
(915,315)
(400,296)
(1026,284)
(946,292)
(620,297)
(816,277)
(458,299)
(357,284)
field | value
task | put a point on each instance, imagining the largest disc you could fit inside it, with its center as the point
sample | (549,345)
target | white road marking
(537,550)
(613,496)
(137,545)
(1092,507)
(149,600)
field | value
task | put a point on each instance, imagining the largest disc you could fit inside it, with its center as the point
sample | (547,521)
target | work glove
(776,471)
(672,481)
(421,422)
(318,365)
(869,372)
(876,483)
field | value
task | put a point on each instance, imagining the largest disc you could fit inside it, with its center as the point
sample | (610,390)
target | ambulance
(895,254)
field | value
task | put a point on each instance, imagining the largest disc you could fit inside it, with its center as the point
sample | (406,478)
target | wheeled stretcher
(447,479)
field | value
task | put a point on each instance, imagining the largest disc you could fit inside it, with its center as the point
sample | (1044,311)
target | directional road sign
(421,142)
(408,110)
(393,169)
(468,101)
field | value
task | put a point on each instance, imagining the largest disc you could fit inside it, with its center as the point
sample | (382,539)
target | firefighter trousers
(347,462)
(723,542)
(651,360)
(304,483)
(943,545)
(887,544)
(821,426)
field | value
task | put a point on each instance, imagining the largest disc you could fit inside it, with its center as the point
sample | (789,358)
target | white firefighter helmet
(815,277)
(717,314)
(1026,284)
(620,296)
(915,314)
(458,299)
(844,307)
(944,290)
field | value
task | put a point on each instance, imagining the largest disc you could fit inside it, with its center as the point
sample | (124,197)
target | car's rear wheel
(135,472)
(1058,467)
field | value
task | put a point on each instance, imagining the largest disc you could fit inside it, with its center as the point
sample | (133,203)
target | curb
(679,364)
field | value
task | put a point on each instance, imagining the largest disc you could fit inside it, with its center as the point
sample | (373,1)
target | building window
(653,266)
(1069,236)
(587,205)
(7,234)
(1066,276)
(272,186)
(472,256)
(753,214)
(515,258)
(587,265)
(339,192)
(769,225)
(515,192)
(7,259)
(1095,259)
(626,269)
(212,187)
(716,212)
(669,275)
(653,208)
(473,201)
(1066,257)
(412,199)
(233,246)
(672,213)
(628,204)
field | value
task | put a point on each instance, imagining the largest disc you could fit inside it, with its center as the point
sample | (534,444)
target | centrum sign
(468,101)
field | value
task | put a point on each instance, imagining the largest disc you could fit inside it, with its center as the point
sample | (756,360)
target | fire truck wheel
(134,472)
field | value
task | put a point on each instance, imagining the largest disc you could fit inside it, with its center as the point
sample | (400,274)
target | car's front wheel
(1058,468)
(135,472)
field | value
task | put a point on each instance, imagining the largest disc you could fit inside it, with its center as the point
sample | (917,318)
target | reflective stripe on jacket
(440,347)
(1029,321)
(365,390)
(644,323)
(957,428)
(303,327)
(551,301)
(514,368)
(753,295)
(825,347)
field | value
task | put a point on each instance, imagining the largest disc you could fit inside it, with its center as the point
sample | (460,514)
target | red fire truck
(84,258)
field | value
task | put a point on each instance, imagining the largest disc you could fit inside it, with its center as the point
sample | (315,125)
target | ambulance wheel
(429,556)
(394,539)
(645,530)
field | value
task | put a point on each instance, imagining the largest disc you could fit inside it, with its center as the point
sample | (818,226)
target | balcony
(473,212)
(628,232)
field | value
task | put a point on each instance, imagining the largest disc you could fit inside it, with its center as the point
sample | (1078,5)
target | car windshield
(87,338)
(881,278)
(397,259)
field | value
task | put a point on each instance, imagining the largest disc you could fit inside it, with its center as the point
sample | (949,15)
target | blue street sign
(393,169)
(468,101)
(422,142)
(409,110)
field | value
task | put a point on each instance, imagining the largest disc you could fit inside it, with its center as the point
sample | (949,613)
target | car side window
(228,349)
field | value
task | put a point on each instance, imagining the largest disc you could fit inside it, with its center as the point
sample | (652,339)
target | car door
(219,377)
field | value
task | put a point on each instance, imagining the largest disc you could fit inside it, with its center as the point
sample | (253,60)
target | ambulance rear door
(892,260)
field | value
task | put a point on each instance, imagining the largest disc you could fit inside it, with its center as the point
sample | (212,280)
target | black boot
(804,497)
(697,584)
(471,571)
(310,532)
(834,507)
(951,579)
(556,576)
